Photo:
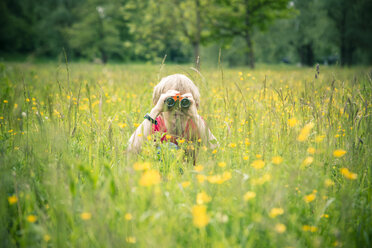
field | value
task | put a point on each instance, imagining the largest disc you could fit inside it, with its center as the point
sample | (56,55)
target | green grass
(66,180)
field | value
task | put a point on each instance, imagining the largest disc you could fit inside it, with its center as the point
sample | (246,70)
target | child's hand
(192,110)
(159,107)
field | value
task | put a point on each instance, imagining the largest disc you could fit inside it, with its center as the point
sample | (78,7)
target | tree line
(270,31)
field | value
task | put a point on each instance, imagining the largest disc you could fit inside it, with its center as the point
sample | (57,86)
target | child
(180,121)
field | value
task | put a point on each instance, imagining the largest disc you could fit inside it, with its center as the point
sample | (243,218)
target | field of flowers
(293,166)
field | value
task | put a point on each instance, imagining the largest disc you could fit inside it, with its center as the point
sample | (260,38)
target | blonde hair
(177,82)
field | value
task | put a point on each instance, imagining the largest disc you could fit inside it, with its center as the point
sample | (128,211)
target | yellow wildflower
(200,178)
(128,216)
(348,174)
(339,153)
(185,184)
(149,178)
(86,216)
(131,240)
(319,138)
(280,228)
(249,195)
(305,132)
(31,218)
(261,180)
(198,168)
(328,182)
(46,238)
(292,122)
(275,212)
(232,145)
(277,160)
(246,157)
(12,199)
(200,217)
(308,161)
(258,164)
(202,198)
(181,141)
(308,228)
(141,166)
(222,164)
(214,151)
(311,150)
(310,198)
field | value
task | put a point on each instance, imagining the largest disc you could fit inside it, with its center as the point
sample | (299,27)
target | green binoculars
(177,100)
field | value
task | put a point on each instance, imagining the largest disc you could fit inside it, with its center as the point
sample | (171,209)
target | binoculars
(177,100)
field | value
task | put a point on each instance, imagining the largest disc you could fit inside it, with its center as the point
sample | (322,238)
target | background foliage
(298,31)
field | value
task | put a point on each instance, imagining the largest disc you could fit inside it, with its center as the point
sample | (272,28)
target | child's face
(176,118)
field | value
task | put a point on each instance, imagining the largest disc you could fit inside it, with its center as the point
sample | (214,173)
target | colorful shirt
(190,132)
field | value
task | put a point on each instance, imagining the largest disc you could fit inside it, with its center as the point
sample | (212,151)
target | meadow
(293,166)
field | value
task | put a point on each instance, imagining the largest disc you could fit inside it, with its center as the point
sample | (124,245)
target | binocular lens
(185,103)
(170,102)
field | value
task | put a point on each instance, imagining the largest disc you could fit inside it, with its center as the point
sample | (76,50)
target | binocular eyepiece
(177,100)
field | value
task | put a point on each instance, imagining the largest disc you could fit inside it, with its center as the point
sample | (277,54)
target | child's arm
(206,134)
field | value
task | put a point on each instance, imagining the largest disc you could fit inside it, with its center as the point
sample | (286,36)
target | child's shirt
(190,132)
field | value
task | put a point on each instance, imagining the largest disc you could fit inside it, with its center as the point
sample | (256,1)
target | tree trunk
(249,51)
(248,38)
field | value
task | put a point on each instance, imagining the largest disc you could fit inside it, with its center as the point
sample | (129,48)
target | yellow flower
(219,179)
(222,164)
(310,198)
(261,180)
(258,164)
(31,218)
(319,138)
(128,216)
(305,132)
(181,141)
(46,238)
(131,240)
(324,216)
(5,101)
(202,198)
(232,145)
(292,122)
(308,228)
(139,135)
(280,228)
(311,150)
(86,216)
(214,151)
(246,157)
(277,160)
(258,156)
(200,217)
(348,174)
(308,161)
(339,153)
(185,184)
(200,178)
(12,199)
(198,168)
(168,136)
(141,166)
(249,195)
(149,178)
(328,182)
(275,212)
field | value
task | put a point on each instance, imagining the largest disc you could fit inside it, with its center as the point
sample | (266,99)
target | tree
(240,17)
(97,33)
(171,24)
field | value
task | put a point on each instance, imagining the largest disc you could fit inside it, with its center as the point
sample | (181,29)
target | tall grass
(278,178)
